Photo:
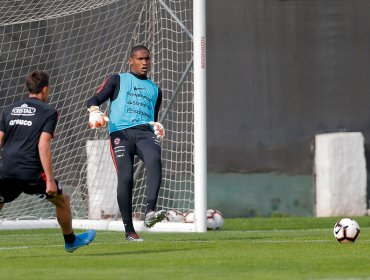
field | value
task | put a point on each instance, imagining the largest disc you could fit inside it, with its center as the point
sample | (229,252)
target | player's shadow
(137,252)
(81,254)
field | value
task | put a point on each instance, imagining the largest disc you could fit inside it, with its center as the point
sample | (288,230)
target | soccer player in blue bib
(26,130)
(134,130)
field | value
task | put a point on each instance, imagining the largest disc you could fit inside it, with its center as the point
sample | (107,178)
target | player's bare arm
(46,161)
(1,139)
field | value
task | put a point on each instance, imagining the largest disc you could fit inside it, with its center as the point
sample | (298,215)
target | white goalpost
(79,43)
(200,128)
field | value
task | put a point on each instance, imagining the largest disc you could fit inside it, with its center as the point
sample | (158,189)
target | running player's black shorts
(10,189)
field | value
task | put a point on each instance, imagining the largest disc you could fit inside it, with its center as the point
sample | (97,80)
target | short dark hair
(138,48)
(36,81)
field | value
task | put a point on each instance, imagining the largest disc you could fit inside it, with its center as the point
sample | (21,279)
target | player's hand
(158,130)
(96,117)
(51,188)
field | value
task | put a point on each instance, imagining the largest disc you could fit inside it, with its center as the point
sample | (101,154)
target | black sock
(69,238)
(129,227)
(150,206)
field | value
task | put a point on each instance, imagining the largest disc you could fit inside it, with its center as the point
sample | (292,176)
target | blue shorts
(11,188)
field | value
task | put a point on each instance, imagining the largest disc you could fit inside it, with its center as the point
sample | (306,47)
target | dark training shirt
(23,122)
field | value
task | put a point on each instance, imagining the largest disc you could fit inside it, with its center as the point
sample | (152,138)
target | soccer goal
(79,43)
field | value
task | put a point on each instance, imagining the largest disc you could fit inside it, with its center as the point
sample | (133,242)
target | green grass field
(253,248)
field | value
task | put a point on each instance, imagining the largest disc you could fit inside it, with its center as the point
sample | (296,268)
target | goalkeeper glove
(158,130)
(96,117)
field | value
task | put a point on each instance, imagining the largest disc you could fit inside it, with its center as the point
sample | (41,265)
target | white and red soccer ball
(174,216)
(215,219)
(189,217)
(346,230)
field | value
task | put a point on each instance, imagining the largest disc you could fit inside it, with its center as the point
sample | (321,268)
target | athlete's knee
(125,180)
(61,200)
(123,190)
(65,198)
(153,161)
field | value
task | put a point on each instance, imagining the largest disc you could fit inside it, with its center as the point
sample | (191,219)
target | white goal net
(79,43)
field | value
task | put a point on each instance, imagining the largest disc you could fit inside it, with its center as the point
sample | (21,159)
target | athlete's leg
(64,217)
(9,190)
(60,201)
(149,151)
(123,158)
(63,211)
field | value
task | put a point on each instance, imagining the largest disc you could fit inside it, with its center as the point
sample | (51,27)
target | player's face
(140,62)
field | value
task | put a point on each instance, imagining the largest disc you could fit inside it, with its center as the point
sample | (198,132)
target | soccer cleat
(133,236)
(152,218)
(82,239)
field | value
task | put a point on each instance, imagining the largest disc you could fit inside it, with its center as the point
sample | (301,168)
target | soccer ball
(189,217)
(215,219)
(346,230)
(174,216)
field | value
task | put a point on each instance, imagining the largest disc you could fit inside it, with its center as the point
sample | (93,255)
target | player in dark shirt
(26,130)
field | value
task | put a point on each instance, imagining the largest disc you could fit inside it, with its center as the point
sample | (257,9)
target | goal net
(79,43)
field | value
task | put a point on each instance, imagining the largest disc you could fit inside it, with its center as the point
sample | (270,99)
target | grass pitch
(253,248)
